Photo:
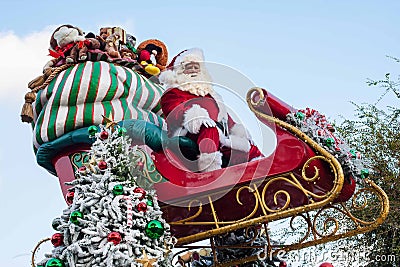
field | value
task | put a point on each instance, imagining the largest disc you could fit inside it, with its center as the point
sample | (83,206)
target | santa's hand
(195,117)
(236,142)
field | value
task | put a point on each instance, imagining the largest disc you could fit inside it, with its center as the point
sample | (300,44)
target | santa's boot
(208,162)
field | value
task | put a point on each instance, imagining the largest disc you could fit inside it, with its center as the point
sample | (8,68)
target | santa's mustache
(198,85)
(194,77)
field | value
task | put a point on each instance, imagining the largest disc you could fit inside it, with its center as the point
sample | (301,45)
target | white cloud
(22,59)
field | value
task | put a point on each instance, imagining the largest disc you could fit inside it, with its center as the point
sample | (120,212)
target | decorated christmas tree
(113,218)
(316,126)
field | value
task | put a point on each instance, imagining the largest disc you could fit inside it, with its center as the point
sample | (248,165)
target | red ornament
(102,165)
(114,237)
(141,207)
(103,135)
(326,264)
(82,169)
(282,264)
(69,197)
(140,190)
(140,165)
(57,239)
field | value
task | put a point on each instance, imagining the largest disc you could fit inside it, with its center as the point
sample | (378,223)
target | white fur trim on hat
(193,54)
(195,117)
(208,162)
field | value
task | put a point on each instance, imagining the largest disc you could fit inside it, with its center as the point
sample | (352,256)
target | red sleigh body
(198,205)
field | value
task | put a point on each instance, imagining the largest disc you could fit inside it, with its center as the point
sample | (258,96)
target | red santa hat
(168,76)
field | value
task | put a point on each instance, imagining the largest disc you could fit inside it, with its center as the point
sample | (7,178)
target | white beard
(199,85)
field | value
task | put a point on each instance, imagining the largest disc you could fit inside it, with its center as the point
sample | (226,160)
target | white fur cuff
(237,142)
(210,161)
(195,117)
(239,130)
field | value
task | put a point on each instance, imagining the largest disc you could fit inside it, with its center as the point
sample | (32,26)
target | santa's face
(194,78)
(192,69)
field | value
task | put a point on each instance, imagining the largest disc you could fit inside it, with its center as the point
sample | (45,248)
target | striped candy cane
(129,210)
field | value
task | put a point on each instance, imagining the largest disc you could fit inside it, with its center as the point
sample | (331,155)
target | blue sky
(309,53)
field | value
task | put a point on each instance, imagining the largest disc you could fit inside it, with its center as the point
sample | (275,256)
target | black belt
(223,126)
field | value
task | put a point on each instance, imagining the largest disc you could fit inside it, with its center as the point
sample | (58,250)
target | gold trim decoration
(260,211)
(329,223)
(78,159)
(36,249)
(149,169)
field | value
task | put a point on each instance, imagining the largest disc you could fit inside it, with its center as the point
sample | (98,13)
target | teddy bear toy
(67,45)
(112,45)
(127,54)
(69,42)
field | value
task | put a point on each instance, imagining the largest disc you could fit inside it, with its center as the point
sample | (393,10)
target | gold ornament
(146,261)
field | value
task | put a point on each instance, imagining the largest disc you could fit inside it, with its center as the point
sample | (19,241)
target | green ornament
(118,190)
(364,173)
(300,115)
(122,131)
(353,153)
(154,229)
(53,262)
(92,130)
(329,142)
(149,202)
(74,216)
(56,223)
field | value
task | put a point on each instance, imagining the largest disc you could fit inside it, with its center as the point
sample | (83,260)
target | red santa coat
(175,103)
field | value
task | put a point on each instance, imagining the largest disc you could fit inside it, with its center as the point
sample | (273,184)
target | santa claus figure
(193,109)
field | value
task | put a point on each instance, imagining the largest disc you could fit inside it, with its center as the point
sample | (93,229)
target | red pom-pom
(282,264)
(326,264)
(57,239)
